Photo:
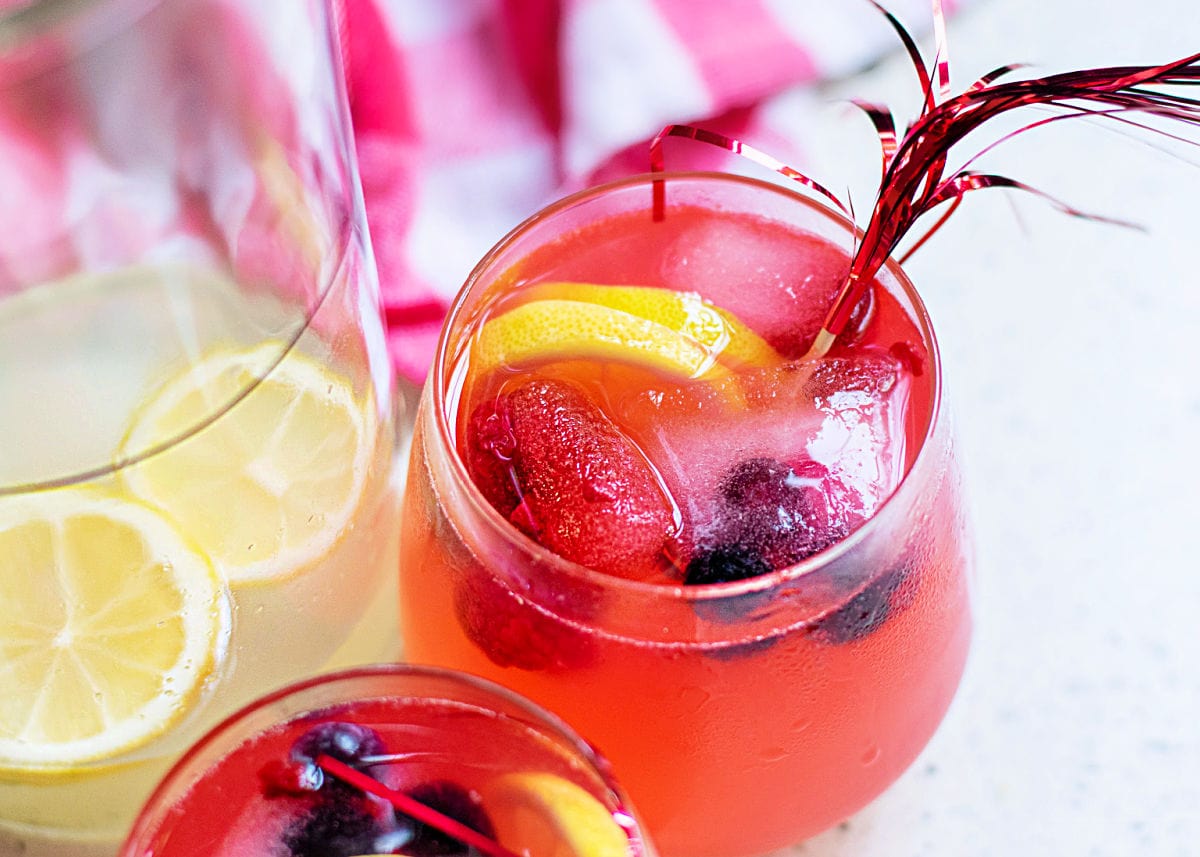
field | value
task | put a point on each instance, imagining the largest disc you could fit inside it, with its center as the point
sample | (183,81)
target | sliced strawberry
(561,471)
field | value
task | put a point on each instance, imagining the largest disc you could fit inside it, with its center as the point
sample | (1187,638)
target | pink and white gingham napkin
(472,114)
(469,116)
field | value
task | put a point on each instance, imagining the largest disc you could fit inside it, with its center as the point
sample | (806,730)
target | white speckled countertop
(1071,352)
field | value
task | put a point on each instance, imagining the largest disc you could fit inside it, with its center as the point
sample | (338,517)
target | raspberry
(512,632)
(291,777)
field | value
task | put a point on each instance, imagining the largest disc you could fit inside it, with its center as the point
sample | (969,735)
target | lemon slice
(714,328)
(269,486)
(544,815)
(111,622)
(674,332)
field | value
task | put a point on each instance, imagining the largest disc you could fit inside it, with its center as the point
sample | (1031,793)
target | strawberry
(551,461)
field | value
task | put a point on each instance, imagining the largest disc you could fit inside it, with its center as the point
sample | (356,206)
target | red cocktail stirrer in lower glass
(413,808)
(915,179)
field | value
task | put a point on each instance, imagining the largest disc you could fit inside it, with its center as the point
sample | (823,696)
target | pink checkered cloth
(472,114)
(469,116)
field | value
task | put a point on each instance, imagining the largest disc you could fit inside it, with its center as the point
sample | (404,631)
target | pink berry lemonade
(453,766)
(741,573)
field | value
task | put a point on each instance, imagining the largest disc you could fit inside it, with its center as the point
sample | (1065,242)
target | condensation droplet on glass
(693,698)
(774,754)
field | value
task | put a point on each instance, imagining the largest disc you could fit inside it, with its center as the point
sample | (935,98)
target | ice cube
(842,420)
(760,271)
(863,400)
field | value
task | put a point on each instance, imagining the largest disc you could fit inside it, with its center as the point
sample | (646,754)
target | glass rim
(150,812)
(442,369)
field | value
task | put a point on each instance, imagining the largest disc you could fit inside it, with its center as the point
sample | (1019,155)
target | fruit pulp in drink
(738,723)
(497,774)
(212,515)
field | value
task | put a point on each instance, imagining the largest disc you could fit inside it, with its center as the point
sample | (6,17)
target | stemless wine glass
(418,740)
(754,688)
(196,429)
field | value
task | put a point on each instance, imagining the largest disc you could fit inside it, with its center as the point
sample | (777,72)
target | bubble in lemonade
(389,760)
(200,509)
(743,575)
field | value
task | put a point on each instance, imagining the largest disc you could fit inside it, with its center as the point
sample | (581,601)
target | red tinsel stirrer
(915,179)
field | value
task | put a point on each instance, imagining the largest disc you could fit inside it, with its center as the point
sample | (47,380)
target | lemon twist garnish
(544,815)
(269,486)
(675,332)
(111,623)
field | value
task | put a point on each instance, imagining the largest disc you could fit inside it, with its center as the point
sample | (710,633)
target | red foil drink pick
(916,178)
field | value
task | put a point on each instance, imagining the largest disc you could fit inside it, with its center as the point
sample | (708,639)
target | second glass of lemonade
(743,574)
(443,765)
(196,414)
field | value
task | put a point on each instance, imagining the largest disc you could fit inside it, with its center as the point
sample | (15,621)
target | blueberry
(346,742)
(341,821)
(783,509)
(772,516)
(724,564)
(863,613)
(754,481)
(456,802)
(345,826)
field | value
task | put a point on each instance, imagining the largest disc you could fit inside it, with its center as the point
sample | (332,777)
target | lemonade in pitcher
(192,511)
